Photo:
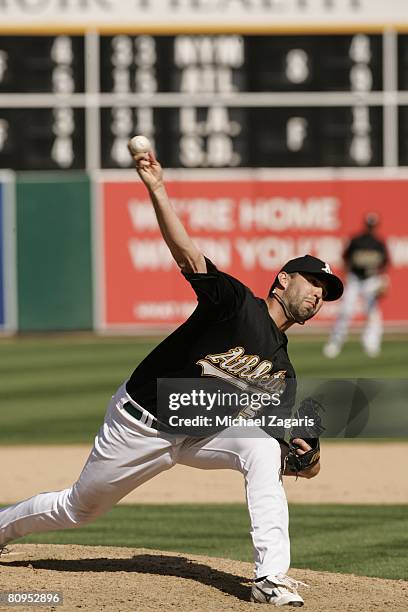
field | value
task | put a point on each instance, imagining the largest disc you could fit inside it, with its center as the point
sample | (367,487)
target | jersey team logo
(243,371)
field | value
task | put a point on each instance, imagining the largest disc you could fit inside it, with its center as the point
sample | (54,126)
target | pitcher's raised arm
(186,254)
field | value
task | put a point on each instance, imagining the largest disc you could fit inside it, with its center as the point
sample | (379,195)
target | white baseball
(139,144)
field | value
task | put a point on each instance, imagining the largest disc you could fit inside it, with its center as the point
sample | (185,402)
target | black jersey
(366,255)
(229,333)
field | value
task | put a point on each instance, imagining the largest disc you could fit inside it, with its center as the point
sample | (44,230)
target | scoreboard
(205,100)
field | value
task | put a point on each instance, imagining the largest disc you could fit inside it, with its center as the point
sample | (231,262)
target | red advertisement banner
(248,228)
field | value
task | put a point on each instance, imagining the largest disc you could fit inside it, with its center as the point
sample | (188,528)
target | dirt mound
(124,580)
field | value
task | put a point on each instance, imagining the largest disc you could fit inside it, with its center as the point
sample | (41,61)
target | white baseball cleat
(277,591)
(372,352)
(331,350)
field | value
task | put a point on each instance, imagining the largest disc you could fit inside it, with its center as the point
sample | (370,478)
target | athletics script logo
(248,372)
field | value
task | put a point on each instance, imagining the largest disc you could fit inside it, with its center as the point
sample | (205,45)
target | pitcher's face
(304,295)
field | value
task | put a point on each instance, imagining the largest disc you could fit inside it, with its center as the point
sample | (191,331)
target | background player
(131,447)
(365,260)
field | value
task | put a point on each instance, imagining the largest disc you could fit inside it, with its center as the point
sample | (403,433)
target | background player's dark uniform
(365,260)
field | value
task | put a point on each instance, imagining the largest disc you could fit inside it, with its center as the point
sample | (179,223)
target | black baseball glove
(298,463)
(309,428)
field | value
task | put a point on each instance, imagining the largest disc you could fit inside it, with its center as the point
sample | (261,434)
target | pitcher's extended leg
(126,453)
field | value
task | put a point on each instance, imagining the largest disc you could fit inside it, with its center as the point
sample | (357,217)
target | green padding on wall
(54,252)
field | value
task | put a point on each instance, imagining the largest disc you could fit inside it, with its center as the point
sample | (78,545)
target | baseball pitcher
(234,333)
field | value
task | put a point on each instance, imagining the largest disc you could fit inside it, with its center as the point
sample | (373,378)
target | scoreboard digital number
(205,101)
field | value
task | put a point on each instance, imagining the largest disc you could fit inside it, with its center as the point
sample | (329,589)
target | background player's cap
(371,219)
(312,265)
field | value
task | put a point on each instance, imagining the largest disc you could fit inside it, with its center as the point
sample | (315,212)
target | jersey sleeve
(219,295)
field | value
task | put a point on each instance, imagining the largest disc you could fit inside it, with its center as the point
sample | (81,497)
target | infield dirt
(133,580)
(347,476)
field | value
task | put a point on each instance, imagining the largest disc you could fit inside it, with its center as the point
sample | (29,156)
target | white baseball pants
(365,289)
(128,452)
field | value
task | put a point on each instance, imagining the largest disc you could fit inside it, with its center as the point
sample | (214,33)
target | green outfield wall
(54,262)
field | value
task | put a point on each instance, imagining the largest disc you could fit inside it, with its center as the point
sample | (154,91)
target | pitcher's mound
(130,580)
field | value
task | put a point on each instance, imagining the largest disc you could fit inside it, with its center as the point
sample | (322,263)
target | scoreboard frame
(198,16)
(92,100)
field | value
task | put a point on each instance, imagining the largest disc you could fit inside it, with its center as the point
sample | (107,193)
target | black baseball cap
(316,267)
(371,219)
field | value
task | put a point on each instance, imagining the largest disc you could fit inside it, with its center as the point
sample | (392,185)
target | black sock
(259,579)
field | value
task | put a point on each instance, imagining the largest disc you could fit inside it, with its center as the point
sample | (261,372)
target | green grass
(308,360)
(54,389)
(364,540)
